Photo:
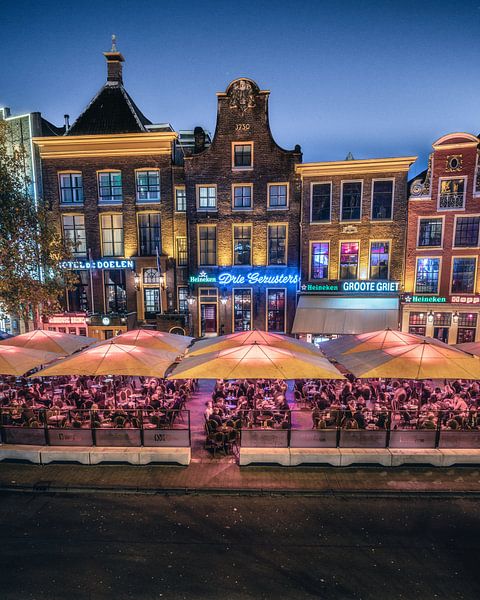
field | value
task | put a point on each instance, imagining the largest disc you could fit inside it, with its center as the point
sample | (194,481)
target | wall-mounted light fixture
(430,317)
(455,317)
(136,281)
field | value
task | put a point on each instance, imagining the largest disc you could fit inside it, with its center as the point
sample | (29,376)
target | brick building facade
(113,187)
(442,297)
(243,205)
(354,214)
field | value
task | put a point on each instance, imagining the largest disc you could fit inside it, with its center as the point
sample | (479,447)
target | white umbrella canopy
(255,361)
(17,361)
(62,344)
(113,359)
(155,340)
(423,360)
(470,347)
(242,338)
(374,340)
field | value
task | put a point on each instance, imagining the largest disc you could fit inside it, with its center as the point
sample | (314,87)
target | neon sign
(414,299)
(79,265)
(355,286)
(241,277)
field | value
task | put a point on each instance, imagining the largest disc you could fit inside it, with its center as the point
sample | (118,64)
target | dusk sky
(377,78)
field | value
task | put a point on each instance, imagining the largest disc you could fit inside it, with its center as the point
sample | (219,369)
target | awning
(337,315)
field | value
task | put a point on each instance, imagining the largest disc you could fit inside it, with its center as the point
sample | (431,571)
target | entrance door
(441,333)
(208,317)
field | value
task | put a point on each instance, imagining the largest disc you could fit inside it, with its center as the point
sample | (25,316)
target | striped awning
(342,315)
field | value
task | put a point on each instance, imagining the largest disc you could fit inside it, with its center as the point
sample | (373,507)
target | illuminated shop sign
(465,299)
(241,277)
(414,299)
(355,286)
(79,265)
(65,320)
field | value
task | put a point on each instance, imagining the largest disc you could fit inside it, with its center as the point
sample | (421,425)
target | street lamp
(136,281)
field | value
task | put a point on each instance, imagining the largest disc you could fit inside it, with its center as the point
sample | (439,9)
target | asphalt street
(234,547)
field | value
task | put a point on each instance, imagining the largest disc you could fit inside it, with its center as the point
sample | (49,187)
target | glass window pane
(320,255)
(321,194)
(349,260)
(463,276)
(382,200)
(427,275)
(351,200)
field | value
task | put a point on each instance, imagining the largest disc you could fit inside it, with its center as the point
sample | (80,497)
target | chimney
(199,140)
(67,122)
(114,64)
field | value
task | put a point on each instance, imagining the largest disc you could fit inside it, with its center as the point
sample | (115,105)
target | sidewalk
(228,478)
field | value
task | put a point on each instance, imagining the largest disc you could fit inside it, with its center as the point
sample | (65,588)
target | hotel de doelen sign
(354,286)
(79,265)
(246,278)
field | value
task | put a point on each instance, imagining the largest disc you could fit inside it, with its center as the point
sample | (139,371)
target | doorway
(208,319)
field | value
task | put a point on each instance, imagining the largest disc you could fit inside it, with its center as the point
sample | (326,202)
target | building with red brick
(115,187)
(442,297)
(243,206)
(352,247)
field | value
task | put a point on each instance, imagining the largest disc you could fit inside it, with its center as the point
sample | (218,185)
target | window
(180,199)
(110,186)
(207,245)
(115,291)
(382,200)
(277,195)
(442,319)
(149,234)
(182,299)
(348,260)
(112,235)
(148,185)
(451,194)
(151,302)
(320,202)
(467,327)
(207,197)
(427,275)
(74,232)
(463,274)
(151,276)
(351,200)
(379,259)
(242,156)
(77,299)
(319,260)
(182,252)
(242,197)
(242,309)
(71,188)
(277,244)
(430,233)
(276,310)
(417,323)
(466,232)
(242,244)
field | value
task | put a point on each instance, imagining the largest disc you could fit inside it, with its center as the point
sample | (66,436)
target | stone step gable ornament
(242,94)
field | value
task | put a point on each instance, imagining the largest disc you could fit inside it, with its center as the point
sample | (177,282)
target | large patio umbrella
(374,340)
(471,347)
(62,344)
(17,361)
(242,338)
(155,340)
(424,360)
(255,361)
(113,359)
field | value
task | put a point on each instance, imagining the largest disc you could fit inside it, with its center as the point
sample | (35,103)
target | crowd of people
(377,404)
(80,401)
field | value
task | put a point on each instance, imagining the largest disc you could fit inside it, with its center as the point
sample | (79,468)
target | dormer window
(110,187)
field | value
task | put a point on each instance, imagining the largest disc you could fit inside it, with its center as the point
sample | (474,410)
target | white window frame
(341,219)
(440,179)
(278,183)
(179,188)
(60,188)
(245,168)
(200,186)
(392,179)
(475,276)
(242,208)
(426,218)
(310,255)
(330,183)
(437,293)
(464,216)
(75,252)
(148,199)
(109,202)
(376,241)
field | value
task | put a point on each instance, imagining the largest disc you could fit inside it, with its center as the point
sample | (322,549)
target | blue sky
(377,78)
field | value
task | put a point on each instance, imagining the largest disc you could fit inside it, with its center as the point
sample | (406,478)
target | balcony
(449,201)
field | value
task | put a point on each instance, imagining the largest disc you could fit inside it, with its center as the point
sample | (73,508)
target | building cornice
(90,146)
(356,167)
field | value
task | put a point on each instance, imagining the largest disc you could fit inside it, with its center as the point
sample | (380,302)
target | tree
(31,247)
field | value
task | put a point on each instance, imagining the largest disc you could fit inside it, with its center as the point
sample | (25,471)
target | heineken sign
(354,286)
(419,299)
(263,276)
(80,265)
